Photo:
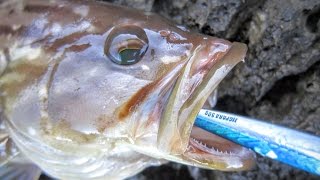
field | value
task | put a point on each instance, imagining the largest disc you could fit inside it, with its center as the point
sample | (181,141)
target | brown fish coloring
(92,90)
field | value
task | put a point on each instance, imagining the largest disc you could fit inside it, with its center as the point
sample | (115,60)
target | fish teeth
(210,149)
(203,144)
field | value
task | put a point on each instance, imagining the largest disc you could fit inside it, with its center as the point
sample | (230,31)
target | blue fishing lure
(289,146)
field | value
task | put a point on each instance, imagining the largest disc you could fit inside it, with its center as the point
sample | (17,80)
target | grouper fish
(90,90)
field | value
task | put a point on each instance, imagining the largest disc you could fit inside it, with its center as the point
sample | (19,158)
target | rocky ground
(280,80)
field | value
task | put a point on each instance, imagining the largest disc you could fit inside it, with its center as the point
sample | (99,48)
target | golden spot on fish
(104,121)
(20,74)
(164,68)
(63,130)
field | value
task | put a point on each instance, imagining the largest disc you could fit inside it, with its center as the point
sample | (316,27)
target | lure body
(295,148)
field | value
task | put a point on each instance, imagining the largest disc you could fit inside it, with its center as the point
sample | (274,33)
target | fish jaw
(201,75)
(162,126)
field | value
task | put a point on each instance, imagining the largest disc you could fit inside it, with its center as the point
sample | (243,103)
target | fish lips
(200,76)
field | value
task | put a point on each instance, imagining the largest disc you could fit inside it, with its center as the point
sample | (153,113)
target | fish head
(108,76)
(183,69)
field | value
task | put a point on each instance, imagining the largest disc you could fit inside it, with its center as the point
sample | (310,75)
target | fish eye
(126,45)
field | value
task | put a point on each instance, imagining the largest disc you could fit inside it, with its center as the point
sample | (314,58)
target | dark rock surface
(280,80)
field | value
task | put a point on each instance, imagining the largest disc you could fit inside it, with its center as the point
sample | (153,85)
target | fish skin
(76,114)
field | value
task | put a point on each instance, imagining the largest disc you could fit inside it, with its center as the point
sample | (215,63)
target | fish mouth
(177,134)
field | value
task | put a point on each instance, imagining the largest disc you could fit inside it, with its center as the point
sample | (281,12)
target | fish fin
(19,168)
(8,149)
(12,164)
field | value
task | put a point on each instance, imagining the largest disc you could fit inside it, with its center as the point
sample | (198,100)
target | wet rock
(294,101)
(280,44)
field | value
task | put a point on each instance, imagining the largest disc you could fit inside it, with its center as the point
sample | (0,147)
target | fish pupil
(129,56)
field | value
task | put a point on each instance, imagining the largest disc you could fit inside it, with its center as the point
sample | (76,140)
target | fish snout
(177,136)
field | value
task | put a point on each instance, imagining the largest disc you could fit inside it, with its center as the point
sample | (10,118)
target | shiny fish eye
(126,45)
